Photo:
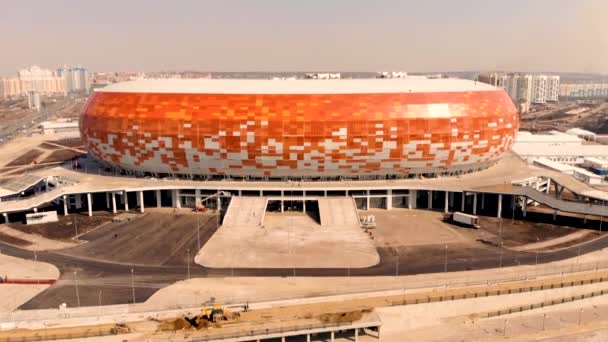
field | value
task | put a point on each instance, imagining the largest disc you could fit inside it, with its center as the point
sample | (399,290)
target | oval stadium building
(301,129)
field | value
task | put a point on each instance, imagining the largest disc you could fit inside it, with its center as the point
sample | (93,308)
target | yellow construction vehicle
(214,314)
(120,328)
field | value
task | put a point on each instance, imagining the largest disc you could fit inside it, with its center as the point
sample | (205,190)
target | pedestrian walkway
(338,211)
(246,211)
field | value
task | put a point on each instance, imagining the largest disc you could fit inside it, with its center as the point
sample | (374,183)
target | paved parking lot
(157,238)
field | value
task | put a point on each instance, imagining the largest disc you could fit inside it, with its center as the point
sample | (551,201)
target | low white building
(553,165)
(587,177)
(598,166)
(59,126)
(582,133)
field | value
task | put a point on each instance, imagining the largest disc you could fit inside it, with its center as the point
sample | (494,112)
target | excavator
(214,314)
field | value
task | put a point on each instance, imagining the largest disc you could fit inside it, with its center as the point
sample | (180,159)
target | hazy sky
(302,35)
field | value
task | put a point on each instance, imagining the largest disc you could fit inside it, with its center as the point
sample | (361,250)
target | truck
(462,219)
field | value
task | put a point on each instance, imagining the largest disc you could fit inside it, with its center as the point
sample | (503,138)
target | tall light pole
(536,261)
(198,230)
(397,269)
(76,285)
(75,228)
(502,244)
(188,261)
(133,285)
(99,297)
(445,263)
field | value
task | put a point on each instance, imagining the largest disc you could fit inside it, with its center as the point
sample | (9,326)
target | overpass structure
(510,183)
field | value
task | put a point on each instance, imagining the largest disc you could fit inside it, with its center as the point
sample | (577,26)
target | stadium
(299,129)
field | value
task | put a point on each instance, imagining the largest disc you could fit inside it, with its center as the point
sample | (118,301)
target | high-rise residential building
(490,78)
(539,89)
(553,88)
(76,79)
(525,89)
(42,81)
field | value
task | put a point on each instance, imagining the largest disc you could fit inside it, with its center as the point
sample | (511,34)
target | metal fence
(182,303)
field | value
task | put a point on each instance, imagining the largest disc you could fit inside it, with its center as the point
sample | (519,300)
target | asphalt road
(117,281)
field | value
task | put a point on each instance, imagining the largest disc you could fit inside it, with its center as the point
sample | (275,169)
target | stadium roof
(300,86)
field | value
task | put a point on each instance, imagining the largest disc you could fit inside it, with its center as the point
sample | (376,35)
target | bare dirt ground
(405,227)
(13,240)
(61,156)
(517,233)
(27,158)
(67,227)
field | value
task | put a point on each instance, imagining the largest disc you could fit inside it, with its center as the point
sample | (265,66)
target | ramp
(338,211)
(246,211)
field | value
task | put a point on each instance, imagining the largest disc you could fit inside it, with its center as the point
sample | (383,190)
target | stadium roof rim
(301,86)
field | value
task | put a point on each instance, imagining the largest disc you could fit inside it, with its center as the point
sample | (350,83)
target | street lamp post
(544,318)
(188,261)
(397,268)
(133,285)
(99,297)
(75,228)
(502,246)
(77,294)
(198,230)
(445,261)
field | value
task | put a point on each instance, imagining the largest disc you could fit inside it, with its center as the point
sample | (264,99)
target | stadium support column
(158,200)
(367,199)
(554,214)
(197,197)
(411,200)
(175,200)
(525,206)
(499,209)
(389,199)
(113,202)
(447,202)
(5,217)
(107,200)
(90,204)
(464,198)
(126,198)
(141,201)
(137,199)
(475,204)
(304,201)
(65,205)
(219,204)
(282,201)
(430,199)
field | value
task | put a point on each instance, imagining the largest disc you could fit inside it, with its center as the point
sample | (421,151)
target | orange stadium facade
(300,129)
